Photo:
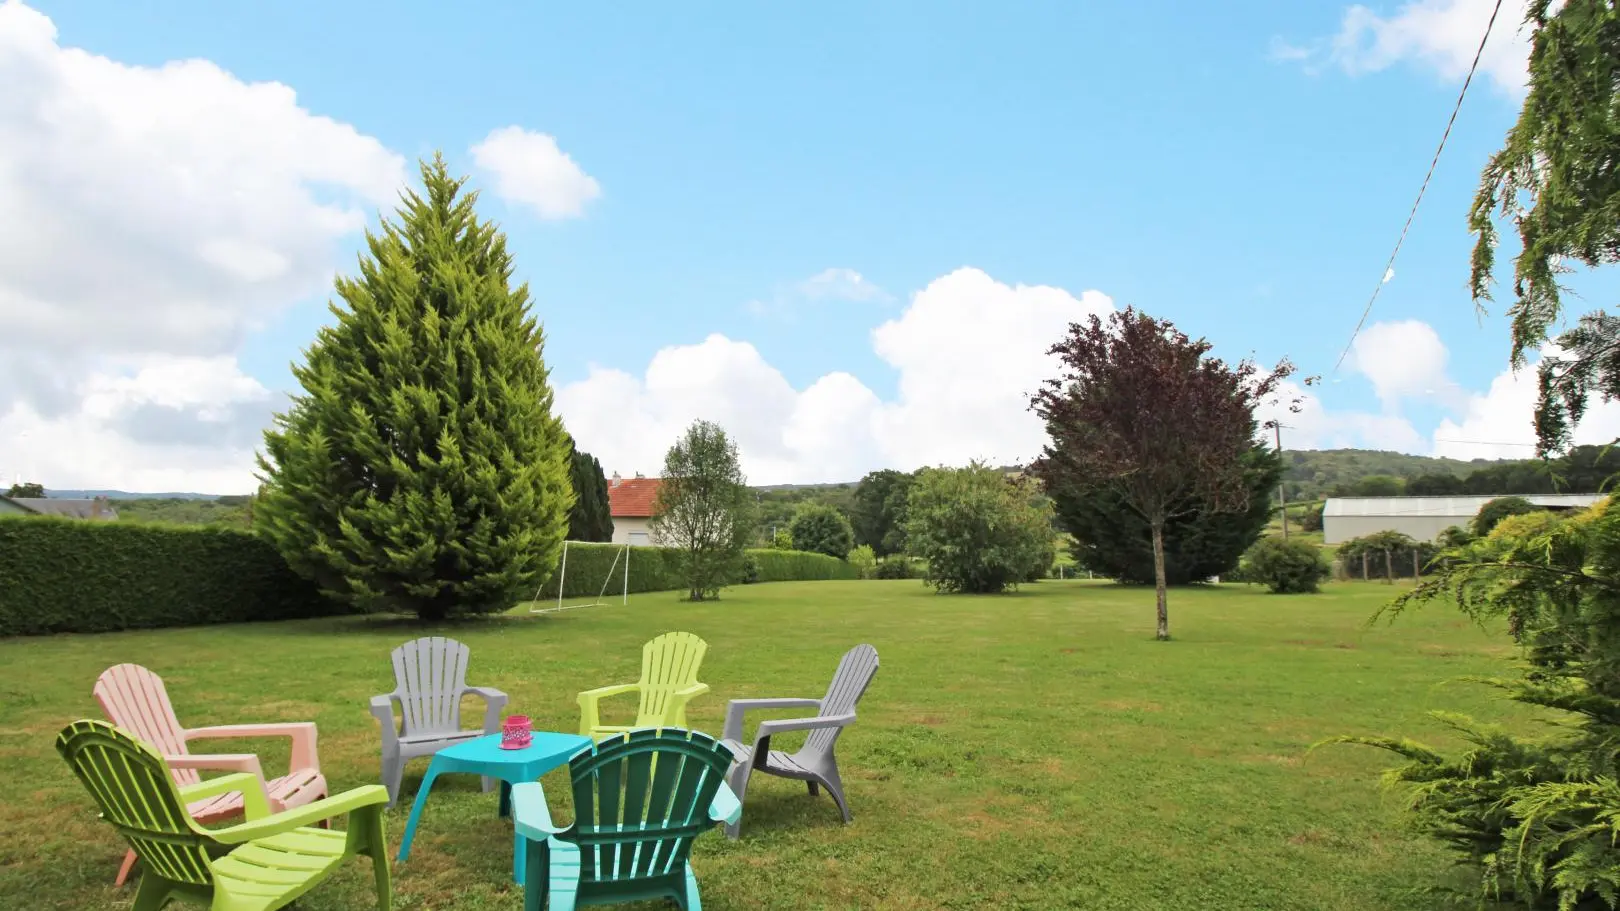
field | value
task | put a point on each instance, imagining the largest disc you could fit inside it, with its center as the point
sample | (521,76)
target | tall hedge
(60,575)
(658,569)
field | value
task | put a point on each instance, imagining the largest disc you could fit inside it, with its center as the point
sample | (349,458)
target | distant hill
(1311,473)
(126,495)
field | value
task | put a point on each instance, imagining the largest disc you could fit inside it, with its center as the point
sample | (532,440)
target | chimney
(615,481)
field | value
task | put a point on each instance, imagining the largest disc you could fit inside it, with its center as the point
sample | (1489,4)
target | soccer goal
(618,572)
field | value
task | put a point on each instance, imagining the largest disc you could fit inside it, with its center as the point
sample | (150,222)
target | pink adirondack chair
(134,699)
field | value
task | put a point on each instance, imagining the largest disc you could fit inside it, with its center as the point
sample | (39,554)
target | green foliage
(62,575)
(774,506)
(1555,179)
(1378,485)
(1387,554)
(704,509)
(1113,540)
(1434,485)
(29,490)
(878,514)
(979,531)
(591,518)
(1534,817)
(821,529)
(1499,509)
(232,511)
(863,561)
(1311,519)
(798,566)
(1286,567)
(1455,536)
(661,569)
(894,566)
(422,470)
(782,540)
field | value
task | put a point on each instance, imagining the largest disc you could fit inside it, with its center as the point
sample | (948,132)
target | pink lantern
(516,733)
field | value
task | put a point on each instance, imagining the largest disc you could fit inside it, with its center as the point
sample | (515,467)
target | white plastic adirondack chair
(814,763)
(430,679)
(135,699)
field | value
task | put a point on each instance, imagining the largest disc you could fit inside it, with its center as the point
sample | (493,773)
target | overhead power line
(1385,275)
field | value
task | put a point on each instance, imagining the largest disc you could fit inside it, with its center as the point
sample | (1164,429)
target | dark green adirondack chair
(262,864)
(640,798)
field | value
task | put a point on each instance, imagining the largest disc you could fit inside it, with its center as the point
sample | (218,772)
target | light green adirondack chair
(260,865)
(639,801)
(669,669)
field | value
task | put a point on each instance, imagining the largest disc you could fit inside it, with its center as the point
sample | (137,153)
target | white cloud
(153,216)
(843,285)
(1442,35)
(529,169)
(1404,360)
(969,350)
(172,424)
(1498,423)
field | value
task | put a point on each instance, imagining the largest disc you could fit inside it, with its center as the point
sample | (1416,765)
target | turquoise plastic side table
(484,756)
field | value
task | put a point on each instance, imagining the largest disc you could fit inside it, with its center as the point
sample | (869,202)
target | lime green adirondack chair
(260,865)
(639,801)
(669,669)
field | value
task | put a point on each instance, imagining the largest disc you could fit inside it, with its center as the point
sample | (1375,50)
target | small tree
(782,539)
(878,516)
(704,509)
(1311,519)
(863,560)
(423,469)
(29,490)
(821,529)
(1499,509)
(1289,567)
(979,532)
(1143,410)
(591,518)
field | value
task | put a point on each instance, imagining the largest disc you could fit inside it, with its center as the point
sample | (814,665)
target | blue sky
(1240,168)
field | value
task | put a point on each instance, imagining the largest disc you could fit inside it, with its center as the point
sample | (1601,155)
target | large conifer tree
(422,469)
(591,519)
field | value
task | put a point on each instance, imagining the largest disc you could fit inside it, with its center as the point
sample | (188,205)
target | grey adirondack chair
(430,677)
(814,763)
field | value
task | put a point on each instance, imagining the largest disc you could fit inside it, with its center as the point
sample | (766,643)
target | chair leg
(815,789)
(393,772)
(692,902)
(835,787)
(123,872)
(152,894)
(378,836)
(737,780)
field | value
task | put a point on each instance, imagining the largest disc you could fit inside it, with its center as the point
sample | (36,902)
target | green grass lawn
(1035,750)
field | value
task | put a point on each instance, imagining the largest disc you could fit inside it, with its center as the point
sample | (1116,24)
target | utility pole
(1282,482)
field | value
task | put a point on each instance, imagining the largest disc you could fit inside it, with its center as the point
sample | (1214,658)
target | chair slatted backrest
(135,699)
(668,663)
(855,672)
(131,787)
(430,674)
(640,799)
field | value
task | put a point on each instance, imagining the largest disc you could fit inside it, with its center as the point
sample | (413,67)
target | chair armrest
(246,763)
(736,708)
(382,709)
(256,804)
(301,732)
(589,714)
(494,701)
(530,815)
(371,795)
(725,807)
(769,729)
(679,698)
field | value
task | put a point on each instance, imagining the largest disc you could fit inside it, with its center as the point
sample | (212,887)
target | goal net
(614,584)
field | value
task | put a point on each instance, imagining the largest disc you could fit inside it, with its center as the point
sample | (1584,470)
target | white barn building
(1422,518)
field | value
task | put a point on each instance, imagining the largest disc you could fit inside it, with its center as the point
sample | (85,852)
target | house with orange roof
(630,500)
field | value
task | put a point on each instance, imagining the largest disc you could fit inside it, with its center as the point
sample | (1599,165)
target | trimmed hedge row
(658,569)
(60,575)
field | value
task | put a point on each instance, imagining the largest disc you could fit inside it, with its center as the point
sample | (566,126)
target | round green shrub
(1499,509)
(1286,567)
(895,567)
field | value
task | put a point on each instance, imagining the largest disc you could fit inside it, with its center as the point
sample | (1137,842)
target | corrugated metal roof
(1457,507)
(74,509)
